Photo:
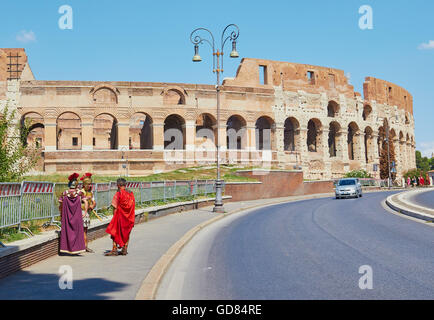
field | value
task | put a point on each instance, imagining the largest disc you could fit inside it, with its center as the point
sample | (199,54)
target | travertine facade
(308,116)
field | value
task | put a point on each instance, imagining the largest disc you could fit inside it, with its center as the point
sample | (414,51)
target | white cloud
(427,46)
(26,36)
(427,149)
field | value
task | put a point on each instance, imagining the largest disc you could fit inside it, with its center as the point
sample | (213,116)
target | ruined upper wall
(12,63)
(385,92)
(292,77)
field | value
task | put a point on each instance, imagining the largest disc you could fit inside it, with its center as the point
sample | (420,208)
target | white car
(349,187)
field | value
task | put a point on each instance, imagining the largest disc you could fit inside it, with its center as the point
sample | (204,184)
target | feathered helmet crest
(87,178)
(73,176)
(73,180)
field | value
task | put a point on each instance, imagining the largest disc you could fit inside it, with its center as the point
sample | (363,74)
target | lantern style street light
(231,32)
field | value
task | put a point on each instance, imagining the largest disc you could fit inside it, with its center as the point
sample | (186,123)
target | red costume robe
(123,218)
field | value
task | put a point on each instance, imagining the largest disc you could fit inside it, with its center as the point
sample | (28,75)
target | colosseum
(279,114)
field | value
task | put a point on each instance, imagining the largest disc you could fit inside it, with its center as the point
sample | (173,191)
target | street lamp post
(196,39)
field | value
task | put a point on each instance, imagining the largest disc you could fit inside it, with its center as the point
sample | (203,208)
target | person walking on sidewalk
(123,218)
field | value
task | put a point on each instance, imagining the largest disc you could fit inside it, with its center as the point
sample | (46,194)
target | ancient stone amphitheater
(273,114)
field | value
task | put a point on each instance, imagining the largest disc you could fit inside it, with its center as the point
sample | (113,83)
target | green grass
(228,172)
(11,234)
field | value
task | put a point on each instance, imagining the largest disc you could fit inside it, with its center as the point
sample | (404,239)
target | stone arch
(369,144)
(174,132)
(264,133)
(334,138)
(236,133)
(141,132)
(367,111)
(173,96)
(105,94)
(291,134)
(36,129)
(407,120)
(313,135)
(353,143)
(68,131)
(105,132)
(206,129)
(332,109)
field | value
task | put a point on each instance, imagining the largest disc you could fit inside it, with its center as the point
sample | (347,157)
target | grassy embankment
(228,173)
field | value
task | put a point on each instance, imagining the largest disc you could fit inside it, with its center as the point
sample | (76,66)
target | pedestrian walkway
(403,202)
(98,277)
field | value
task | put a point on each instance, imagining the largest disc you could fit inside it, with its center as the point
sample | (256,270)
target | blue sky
(139,40)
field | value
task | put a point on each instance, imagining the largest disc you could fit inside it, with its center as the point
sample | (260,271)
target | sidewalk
(98,277)
(402,203)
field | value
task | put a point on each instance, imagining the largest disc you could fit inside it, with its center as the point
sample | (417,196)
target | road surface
(311,249)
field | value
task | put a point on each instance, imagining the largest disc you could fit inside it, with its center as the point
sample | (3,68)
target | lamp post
(231,32)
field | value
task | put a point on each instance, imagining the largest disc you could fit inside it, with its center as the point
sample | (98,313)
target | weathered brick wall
(275,184)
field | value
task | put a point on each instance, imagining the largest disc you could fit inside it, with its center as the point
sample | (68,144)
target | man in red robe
(123,218)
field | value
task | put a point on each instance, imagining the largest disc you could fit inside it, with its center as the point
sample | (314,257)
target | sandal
(111,253)
(89,250)
(124,251)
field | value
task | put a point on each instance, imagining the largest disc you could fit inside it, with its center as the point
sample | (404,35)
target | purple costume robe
(72,233)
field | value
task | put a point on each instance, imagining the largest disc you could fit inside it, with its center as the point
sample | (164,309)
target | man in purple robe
(72,233)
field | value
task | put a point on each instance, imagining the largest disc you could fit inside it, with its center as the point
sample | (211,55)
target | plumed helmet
(87,178)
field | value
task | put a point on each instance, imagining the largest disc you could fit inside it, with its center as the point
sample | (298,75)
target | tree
(385,166)
(358,174)
(423,163)
(16,157)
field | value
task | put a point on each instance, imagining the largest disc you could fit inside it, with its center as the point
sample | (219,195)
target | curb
(150,284)
(401,209)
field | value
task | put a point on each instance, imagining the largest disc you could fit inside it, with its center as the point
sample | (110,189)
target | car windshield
(347,182)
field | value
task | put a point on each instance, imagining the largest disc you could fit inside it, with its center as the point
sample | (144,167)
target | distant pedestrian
(408,181)
(421,181)
(123,219)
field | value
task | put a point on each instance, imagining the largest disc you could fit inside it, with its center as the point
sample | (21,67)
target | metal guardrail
(368,182)
(27,201)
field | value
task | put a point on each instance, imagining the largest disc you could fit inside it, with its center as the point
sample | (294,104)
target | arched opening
(313,135)
(264,133)
(206,130)
(368,144)
(35,135)
(174,132)
(334,134)
(68,132)
(332,109)
(173,96)
(367,110)
(141,134)
(353,129)
(105,132)
(290,134)
(235,133)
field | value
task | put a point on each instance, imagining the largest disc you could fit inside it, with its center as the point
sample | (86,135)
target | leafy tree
(358,174)
(16,157)
(423,163)
(384,164)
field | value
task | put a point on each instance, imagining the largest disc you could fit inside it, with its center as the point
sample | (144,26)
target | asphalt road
(307,250)
(424,199)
